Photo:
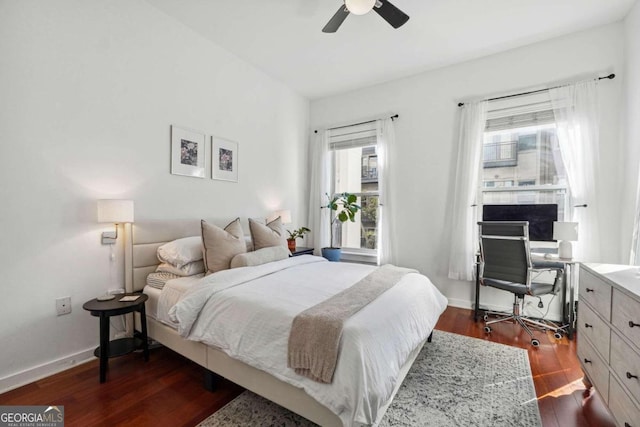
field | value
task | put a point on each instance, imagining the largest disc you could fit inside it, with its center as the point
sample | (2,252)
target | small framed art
(224,159)
(187,152)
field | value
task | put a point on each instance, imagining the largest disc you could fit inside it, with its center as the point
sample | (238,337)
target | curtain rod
(610,76)
(395,116)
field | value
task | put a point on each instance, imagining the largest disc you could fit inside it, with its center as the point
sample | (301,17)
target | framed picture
(187,152)
(224,159)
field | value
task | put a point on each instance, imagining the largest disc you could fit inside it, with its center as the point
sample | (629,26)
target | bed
(348,399)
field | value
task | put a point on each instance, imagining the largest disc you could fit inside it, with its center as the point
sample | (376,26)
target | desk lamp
(565,233)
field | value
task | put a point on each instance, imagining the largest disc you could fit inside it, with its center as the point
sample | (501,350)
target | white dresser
(609,337)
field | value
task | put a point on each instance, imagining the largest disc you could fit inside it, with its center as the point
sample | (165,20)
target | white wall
(426,137)
(631,128)
(88,91)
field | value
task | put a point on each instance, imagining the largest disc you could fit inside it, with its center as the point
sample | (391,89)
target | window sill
(359,257)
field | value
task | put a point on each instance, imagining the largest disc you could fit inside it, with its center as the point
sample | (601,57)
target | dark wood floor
(168,390)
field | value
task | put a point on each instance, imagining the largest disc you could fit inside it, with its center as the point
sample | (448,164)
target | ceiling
(283,38)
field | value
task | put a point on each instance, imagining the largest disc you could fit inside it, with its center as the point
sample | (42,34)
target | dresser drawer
(594,328)
(596,369)
(596,292)
(622,407)
(625,363)
(627,310)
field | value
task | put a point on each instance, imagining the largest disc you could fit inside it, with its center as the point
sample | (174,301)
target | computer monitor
(541,218)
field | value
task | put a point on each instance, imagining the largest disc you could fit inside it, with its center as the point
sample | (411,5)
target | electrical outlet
(63,305)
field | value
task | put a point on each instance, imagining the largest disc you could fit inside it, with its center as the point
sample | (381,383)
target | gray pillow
(264,236)
(261,256)
(220,246)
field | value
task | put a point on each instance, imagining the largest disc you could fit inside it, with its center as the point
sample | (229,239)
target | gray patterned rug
(455,381)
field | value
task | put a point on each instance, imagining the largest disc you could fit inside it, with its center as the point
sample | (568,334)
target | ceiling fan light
(359,7)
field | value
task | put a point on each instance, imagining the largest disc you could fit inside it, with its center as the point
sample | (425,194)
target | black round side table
(122,346)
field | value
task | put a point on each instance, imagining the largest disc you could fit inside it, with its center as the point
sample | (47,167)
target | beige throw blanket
(315,333)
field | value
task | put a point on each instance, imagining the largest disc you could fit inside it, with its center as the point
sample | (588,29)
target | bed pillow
(159,279)
(181,252)
(264,236)
(220,246)
(249,243)
(190,269)
(261,256)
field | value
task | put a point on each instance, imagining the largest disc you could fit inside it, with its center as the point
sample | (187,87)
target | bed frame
(141,243)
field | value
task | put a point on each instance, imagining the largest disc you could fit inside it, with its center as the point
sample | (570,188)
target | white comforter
(247,312)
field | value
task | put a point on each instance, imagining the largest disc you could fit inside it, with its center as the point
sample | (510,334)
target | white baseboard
(460,303)
(46,369)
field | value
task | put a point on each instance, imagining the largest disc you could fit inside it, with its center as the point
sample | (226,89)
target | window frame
(344,138)
(503,117)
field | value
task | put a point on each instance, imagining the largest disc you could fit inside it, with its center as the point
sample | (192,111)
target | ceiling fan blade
(394,16)
(337,20)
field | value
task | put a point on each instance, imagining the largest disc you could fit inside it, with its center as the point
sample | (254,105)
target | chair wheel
(557,336)
(487,329)
(535,342)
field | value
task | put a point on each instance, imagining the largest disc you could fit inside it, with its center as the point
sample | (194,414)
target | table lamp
(565,233)
(285,216)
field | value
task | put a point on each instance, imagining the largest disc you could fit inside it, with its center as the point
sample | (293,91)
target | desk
(568,286)
(569,282)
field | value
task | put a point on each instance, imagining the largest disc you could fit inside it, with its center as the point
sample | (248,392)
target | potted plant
(343,208)
(296,234)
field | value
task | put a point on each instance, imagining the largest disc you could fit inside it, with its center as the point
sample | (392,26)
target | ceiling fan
(394,16)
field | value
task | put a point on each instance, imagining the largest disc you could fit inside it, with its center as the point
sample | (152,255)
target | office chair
(506,264)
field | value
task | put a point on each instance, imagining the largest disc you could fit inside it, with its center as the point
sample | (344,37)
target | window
(521,158)
(355,170)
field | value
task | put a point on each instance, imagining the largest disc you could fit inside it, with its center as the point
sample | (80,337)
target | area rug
(455,381)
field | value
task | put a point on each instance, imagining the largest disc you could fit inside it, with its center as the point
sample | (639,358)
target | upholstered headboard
(143,240)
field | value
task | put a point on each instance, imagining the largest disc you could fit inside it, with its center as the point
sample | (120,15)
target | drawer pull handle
(631,324)
(629,375)
(587,361)
(590,290)
(586,325)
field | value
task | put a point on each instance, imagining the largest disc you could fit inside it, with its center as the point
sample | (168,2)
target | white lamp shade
(359,7)
(285,216)
(115,211)
(565,231)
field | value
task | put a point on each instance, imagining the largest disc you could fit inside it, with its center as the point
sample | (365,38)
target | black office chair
(505,263)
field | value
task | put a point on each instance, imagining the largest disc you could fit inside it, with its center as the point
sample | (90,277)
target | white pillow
(190,269)
(181,252)
(261,256)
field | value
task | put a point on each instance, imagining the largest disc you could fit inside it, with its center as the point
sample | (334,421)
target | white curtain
(464,235)
(386,205)
(575,107)
(635,242)
(319,165)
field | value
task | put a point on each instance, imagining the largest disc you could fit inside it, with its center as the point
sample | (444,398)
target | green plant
(298,234)
(343,208)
